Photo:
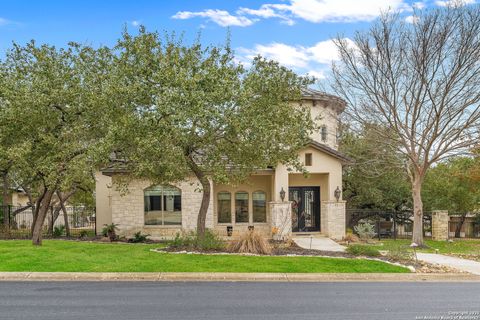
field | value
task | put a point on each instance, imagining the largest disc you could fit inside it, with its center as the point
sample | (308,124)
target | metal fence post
(394,226)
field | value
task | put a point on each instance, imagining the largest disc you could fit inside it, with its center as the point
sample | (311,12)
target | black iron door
(305,208)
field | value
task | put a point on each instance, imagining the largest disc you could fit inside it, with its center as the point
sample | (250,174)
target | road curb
(233,277)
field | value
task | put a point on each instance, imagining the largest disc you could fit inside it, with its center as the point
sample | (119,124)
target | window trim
(163,225)
(266,211)
(231,205)
(248,208)
(323,133)
(308,156)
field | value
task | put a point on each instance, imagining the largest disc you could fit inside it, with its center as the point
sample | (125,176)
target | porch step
(308,235)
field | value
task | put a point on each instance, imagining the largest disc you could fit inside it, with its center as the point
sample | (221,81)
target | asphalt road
(214,300)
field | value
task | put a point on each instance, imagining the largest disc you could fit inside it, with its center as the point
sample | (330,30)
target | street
(241,300)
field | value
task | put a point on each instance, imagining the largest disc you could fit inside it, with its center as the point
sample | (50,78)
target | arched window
(163,205)
(224,207)
(259,206)
(323,133)
(241,206)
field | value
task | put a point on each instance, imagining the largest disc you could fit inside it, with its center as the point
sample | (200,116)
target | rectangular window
(308,159)
(163,205)
(259,206)
(241,207)
(224,207)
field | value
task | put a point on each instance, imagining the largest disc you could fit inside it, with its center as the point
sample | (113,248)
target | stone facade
(325,174)
(333,219)
(281,217)
(128,209)
(440,225)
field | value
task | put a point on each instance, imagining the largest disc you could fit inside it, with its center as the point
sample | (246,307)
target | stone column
(281,219)
(440,225)
(333,219)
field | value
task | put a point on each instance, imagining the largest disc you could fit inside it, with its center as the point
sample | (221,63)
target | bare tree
(422,81)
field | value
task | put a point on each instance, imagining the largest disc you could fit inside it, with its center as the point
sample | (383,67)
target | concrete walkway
(318,243)
(453,262)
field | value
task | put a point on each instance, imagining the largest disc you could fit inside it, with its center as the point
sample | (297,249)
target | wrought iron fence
(76,220)
(389,224)
(464,225)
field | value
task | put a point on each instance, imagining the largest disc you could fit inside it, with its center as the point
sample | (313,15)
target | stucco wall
(128,209)
(103,200)
(325,115)
(325,170)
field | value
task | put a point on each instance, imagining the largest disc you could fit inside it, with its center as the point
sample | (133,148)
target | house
(274,201)
(17,198)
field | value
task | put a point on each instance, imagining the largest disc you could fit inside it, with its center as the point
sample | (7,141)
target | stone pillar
(281,218)
(333,216)
(440,225)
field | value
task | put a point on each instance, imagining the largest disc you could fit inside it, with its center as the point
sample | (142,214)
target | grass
(73,256)
(360,250)
(458,246)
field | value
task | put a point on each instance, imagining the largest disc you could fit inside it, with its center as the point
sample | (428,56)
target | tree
(421,81)
(452,185)
(191,110)
(375,180)
(55,112)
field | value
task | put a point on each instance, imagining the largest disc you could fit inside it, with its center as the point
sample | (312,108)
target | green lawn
(458,246)
(58,255)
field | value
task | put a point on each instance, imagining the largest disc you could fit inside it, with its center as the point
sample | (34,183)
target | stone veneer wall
(128,209)
(281,219)
(440,225)
(332,219)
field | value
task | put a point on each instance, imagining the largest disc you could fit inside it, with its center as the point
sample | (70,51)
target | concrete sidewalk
(453,262)
(232,277)
(321,243)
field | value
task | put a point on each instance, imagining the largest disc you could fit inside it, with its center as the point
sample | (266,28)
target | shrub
(250,242)
(58,231)
(86,233)
(209,242)
(363,250)
(350,237)
(139,237)
(365,231)
(400,253)
(109,230)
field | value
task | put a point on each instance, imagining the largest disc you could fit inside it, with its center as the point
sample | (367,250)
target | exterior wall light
(282,194)
(337,193)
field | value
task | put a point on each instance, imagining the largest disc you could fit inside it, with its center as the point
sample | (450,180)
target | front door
(305,208)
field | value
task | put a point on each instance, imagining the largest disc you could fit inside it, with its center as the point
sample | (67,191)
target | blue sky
(294,32)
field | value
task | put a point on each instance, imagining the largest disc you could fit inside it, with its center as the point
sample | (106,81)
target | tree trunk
(417,211)
(36,208)
(5,199)
(40,219)
(460,225)
(54,213)
(202,212)
(65,218)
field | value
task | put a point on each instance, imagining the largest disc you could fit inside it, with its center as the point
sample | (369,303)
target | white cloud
(339,11)
(4,22)
(220,17)
(419,5)
(314,60)
(135,23)
(289,56)
(266,11)
(449,3)
(315,11)
(412,19)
